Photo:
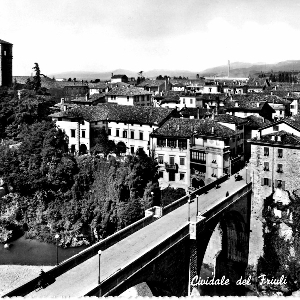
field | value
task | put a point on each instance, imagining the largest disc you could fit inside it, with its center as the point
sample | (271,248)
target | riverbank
(12,276)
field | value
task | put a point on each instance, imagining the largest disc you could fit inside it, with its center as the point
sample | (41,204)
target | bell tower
(6,58)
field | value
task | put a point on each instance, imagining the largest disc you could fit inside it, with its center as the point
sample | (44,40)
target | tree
(37,77)
(197,76)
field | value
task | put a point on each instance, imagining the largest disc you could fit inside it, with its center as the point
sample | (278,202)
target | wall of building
(83,126)
(177,154)
(281,126)
(131,144)
(187,101)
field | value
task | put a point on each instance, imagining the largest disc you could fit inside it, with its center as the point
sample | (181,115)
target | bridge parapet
(84,255)
(174,205)
(112,285)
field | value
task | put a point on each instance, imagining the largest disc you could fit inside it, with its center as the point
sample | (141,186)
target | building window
(161,142)
(266,151)
(275,128)
(141,135)
(132,135)
(117,132)
(182,176)
(125,134)
(171,143)
(292,106)
(280,153)
(72,148)
(199,156)
(183,100)
(191,101)
(132,149)
(160,159)
(172,160)
(171,176)
(182,161)
(266,181)
(182,144)
(266,166)
(73,133)
(127,98)
(280,184)
(279,168)
(109,131)
(280,112)
(161,174)
(83,133)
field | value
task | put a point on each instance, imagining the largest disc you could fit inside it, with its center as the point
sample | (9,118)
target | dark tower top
(6,58)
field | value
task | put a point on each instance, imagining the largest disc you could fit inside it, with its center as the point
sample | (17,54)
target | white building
(129,96)
(191,152)
(130,125)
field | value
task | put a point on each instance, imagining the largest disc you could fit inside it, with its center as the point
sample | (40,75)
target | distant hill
(237,69)
(246,69)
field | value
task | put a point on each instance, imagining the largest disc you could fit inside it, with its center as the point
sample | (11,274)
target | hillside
(237,69)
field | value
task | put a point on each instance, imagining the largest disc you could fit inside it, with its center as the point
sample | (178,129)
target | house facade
(118,78)
(129,96)
(191,152)
(274,167)
(129,125)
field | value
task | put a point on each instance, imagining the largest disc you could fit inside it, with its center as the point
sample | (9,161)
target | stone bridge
(164,252)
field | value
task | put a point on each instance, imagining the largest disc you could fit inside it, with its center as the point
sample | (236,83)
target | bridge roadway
(83,278)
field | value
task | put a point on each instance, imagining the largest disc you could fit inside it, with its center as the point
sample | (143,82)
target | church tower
(5,63)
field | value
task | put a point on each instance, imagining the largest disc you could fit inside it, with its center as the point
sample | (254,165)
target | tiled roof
(118,76)
(293,121)
(226,118)
(185,128)
(187,112)
(3,42)
(263,97)
(256,122)
(151,83)
(286,138)
(98,85)
(287,86)
(127,91)
(118,113)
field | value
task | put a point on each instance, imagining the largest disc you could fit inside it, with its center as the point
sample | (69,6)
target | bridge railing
(83,255)
(174,205)
(216,208)
(111,283)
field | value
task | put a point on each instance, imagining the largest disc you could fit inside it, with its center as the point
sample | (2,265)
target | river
(32,252)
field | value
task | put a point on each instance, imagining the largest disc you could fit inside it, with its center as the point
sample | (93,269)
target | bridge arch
(223,251)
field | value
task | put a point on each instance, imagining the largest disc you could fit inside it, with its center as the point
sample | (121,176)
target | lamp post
(189,208)
(57,237)
(99,254)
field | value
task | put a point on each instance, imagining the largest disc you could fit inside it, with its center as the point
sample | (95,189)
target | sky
(104,35)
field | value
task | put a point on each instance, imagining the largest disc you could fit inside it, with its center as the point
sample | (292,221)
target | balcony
(171,167)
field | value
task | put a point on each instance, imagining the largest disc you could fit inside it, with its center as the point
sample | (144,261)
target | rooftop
(3,42)
(226,118)
(151,83)
(185,128)
(118,113)
(285,138)
(127,91)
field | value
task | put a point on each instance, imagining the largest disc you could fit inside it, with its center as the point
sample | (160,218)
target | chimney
(62,100)
(65,107)
(256,83)
(257,104)
(272,94)
(86,97)
(228,68)
(213,130)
